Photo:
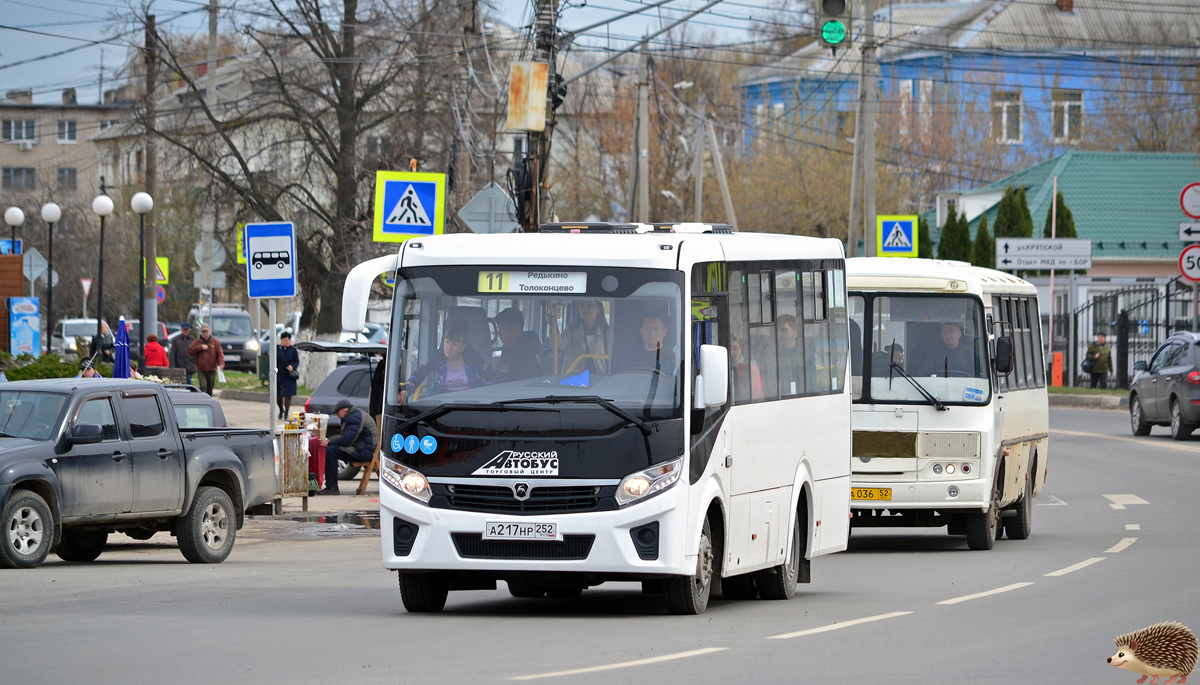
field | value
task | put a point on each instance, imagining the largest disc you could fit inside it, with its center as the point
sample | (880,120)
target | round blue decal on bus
(397,442)
(428,444)
(411,444)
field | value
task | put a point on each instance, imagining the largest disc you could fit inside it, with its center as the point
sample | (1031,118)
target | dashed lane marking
(835,626)
(977,595)
(1119,501)
(1133,526)
(1054,502)
(623,664)
(1143,442)
(1124,543)
(1074,567)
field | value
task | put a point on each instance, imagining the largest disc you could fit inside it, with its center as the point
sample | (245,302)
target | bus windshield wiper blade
(920,388)
(447,408)
(589,399)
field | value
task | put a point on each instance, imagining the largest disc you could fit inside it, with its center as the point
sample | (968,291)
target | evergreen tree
(1066,222)
(924,241)
(1025,219)
(983,253)
(1012,216)
(956,239)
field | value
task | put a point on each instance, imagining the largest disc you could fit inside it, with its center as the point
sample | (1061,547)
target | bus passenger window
(857,314)
(790,354)
(816,334)
(837,312)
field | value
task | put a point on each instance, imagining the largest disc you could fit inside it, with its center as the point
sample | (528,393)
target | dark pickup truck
(83,458)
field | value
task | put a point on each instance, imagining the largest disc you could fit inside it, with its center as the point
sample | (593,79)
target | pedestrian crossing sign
(408,204)
(162,274)
(896,236)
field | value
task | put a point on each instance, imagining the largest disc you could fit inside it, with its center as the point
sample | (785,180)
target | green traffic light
(833,32)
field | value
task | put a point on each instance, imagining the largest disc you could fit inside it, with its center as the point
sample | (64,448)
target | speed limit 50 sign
(1189,262)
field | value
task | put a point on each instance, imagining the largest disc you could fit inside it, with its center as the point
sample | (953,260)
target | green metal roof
(1127,203)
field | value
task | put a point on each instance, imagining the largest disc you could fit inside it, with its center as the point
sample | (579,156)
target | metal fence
(1135,320)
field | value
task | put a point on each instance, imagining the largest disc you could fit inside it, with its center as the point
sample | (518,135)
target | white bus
(950,407)
(563,410)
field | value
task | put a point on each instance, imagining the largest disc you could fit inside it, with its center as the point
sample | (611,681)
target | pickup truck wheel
(346,471)
(423,593)
(207,530)
(28,530)
(81,545)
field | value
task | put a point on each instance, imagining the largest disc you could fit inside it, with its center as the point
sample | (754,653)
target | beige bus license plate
(875,494)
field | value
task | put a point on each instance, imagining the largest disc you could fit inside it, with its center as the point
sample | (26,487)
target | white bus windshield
(477,335)
(921,347)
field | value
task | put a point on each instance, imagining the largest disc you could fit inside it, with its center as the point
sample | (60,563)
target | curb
(1089,401)
(250,396)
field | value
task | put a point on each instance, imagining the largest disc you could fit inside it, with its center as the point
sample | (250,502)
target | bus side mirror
(712,384)
(1139,366)
(1004,355)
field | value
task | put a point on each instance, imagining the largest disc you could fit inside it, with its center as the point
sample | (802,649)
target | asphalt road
(309,602)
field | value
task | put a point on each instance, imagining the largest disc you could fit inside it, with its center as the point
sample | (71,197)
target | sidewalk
(241,414)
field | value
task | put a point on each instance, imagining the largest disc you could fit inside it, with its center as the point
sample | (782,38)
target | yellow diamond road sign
(896,236)
(162,273)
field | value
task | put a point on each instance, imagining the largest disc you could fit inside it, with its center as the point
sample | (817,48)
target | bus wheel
(981,528)
(423,592)
(1020,526)
(780,582)
(689,594)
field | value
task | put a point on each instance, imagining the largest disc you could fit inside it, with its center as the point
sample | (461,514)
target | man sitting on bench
(355,444)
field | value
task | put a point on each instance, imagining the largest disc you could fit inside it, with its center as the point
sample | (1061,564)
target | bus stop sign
(271,266)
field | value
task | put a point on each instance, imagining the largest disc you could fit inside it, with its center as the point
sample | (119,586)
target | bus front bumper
(972,495)
(612,550)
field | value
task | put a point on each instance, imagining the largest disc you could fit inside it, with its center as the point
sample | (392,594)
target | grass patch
(244,380)
(1085,391)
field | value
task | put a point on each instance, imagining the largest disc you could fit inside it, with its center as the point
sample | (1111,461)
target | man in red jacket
(209,357)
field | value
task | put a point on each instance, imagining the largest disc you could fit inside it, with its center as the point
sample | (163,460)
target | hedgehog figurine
(1163,649)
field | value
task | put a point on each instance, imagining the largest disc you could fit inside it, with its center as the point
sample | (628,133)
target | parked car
(62,339)
(351,381)
(80,460)
(1166,391)
(231,325)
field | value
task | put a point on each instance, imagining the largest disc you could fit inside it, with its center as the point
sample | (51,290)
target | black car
(1166,391)
(351,381)
(231,325)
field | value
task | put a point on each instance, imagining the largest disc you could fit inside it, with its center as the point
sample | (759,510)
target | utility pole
(545,37)
(719,163)
(862,170)
(209,222)
(150,315)
(698,163)
(643,137)
(462,173)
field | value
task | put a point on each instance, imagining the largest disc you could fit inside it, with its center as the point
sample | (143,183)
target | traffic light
(833,22)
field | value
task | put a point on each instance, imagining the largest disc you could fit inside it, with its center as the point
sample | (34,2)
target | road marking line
(1133,526)
(1074,567)
(835,626)
(623,664)
(1124,543)
(1055,503)
(977,595)
(1138,441)
(1119,501)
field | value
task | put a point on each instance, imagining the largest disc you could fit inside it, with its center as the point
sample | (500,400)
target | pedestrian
(86,370)
(179,357)
(155,354)
(1100,356)
(104,344)
(287,361)
(209,357)
(355,444)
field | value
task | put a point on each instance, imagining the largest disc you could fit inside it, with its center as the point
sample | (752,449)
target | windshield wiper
(447,408)
(589,399)
(920,388)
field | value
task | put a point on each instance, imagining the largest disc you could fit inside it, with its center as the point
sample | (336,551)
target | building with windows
(46,154)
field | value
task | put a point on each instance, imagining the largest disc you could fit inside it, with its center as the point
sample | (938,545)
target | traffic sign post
(1013,254)
(1189,200)
(1189,263)
(896,236)
(490,211)
(408,204)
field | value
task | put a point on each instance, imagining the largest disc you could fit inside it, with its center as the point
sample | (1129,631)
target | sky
(75,23)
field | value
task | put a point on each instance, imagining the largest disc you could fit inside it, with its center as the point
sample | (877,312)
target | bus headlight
(653,480)
(406,480)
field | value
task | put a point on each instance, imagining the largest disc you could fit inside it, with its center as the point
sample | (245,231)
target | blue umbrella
(121,361)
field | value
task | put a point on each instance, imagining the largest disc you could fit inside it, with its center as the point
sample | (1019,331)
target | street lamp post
(142,203)
(102,206)
(51,213)
(13,216)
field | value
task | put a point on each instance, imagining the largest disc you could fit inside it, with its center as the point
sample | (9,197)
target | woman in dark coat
(287,360)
